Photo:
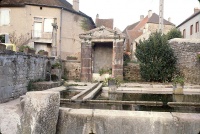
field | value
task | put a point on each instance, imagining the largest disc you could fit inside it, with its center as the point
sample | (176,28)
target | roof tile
(105,22)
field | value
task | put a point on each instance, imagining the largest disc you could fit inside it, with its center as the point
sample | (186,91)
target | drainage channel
(183,104)
(142,103)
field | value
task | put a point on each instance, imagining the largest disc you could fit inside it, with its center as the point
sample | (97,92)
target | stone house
(142,29)
(190,26)
(33,19)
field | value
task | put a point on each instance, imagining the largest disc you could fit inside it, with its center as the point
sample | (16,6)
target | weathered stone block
(40,113)
(83,121)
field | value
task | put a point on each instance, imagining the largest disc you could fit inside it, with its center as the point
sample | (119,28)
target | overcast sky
(126,12)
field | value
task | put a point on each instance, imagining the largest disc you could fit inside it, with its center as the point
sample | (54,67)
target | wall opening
(102,56)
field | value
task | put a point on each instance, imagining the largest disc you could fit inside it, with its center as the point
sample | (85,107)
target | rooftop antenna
(161,12)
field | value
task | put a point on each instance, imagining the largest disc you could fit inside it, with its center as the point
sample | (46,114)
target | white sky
(126,12)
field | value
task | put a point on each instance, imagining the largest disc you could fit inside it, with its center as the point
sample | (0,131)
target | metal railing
(41,35)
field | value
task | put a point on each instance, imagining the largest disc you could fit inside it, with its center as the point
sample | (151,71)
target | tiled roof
(130,27)
(52,3)
(155,19)
(136,31)
(104,22)
(192,16)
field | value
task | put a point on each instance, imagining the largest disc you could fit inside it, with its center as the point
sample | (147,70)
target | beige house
(45,24)
(142,29)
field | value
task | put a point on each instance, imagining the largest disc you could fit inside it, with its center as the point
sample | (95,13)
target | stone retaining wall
(132,72)
(72,70)
(16,70)
(189,65)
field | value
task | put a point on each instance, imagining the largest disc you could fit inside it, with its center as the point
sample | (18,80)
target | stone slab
(40,113)
(75,121)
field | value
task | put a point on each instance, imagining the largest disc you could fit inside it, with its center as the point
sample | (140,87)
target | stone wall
(188,63)
(16,70)
(132,72)
(72,70)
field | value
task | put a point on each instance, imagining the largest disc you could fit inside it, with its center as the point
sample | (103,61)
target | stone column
(86,62)
(54,39)
(117,65)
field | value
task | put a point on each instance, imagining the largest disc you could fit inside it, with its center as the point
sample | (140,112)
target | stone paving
(10,116)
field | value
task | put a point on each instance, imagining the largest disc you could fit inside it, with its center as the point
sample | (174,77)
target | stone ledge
(127,122)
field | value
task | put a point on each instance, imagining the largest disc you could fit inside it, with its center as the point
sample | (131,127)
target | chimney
(149,13)
(196,9)
(97,16)
(76,5)
(141,17)
(169,19)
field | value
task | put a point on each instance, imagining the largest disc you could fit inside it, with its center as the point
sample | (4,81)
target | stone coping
(181,40)
(155,90)
(10,52)
(127,122)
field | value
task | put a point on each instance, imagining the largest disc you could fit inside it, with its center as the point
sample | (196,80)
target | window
(197,27)
(184,33)
(4,38)
(4,17)
(37,29)
(48,25)
(191,29)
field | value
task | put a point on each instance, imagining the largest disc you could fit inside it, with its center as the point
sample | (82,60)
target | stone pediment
(102,33)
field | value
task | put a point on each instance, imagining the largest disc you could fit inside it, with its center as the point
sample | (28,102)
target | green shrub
(156,58)
(41,51)
(178,80)
(56,65)
(126,58)
(104,71)
(31,86)
(174,33)
(198,56)
(21,48)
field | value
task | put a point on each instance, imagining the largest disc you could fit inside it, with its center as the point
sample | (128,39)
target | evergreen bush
(174,33)
(156,58)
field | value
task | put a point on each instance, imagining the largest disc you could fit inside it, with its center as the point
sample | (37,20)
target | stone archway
(102,39)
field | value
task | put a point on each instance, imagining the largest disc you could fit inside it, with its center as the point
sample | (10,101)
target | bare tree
(19,40)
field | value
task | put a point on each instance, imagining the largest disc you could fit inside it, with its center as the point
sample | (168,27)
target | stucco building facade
(190,27)
(33,19)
